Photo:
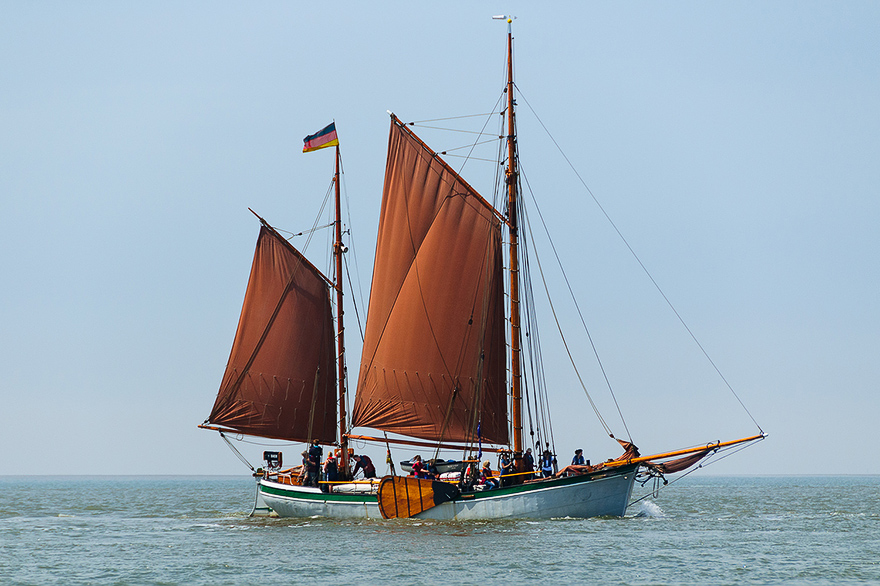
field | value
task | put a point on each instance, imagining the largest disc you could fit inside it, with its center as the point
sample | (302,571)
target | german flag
(326,137)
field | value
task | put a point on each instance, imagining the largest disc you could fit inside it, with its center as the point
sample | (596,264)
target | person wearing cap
(578,459)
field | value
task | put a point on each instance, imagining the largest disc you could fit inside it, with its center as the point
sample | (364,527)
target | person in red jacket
(418,468)
(366,464)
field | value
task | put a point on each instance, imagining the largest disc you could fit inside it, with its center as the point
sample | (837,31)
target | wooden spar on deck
(714,446)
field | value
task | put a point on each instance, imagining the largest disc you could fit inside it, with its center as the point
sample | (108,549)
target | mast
(512,179)
(338,249)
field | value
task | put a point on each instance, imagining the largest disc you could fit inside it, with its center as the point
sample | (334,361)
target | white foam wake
(649,509)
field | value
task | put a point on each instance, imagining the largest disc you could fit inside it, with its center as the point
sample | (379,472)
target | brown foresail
(433,363)
(280,380)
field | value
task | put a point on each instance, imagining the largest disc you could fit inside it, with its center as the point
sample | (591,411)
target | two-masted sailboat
(441,361)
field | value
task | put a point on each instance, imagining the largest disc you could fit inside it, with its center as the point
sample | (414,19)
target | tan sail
(433,363)
(280,380)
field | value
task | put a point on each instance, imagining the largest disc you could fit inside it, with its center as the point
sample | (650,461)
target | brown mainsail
(433,363)
(280,380)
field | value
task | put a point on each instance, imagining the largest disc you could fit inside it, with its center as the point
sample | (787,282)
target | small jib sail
(433,362)
(280,380)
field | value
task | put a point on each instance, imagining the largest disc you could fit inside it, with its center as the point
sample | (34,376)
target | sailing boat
(439,343)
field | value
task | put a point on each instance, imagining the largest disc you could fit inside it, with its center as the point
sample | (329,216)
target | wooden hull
(603,493)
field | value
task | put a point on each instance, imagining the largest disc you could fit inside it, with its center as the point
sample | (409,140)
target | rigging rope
(565,342)
(711,459)
(448,129)
(639,261)
(481,132)
(451,118)
(470,158)
(352,248)
(532,333)
(533,378)
(236,452)
(315,229)
(354,303)
(467,146)
(580,314)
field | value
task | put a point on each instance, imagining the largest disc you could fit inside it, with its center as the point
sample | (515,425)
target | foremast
(338,250)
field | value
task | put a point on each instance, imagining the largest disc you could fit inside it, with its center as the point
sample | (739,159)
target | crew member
(507,467)
(547,464)
(331,472)
(528,462)
(316,454)
(364,463)
(418,468)
(486,476)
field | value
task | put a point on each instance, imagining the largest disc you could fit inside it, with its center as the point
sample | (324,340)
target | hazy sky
(735,145)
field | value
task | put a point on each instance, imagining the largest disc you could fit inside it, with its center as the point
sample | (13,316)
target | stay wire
(236,452)
(532,343)
(580,315)
(354,304)
(565,342)
(448,129)
(727,452)
(537,390)
(451,118)
(488,118)
(493,140)
(638,260)
(353,249)
(315,229)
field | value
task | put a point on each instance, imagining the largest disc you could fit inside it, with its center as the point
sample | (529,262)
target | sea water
(196,530)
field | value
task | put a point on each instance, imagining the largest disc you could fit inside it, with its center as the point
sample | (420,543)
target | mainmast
(512,184)
(338,250)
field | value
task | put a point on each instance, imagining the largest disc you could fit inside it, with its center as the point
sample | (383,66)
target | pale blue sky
(736,145)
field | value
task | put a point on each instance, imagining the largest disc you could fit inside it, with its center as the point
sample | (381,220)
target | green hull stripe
(312,496)
(469,496)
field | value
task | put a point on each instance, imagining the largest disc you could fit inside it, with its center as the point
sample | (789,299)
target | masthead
(508,17)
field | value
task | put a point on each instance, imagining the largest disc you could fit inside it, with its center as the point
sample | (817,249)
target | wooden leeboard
(407,496)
